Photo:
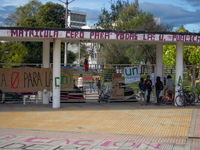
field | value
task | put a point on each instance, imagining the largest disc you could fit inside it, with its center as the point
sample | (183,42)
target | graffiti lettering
(34,79)
(3,80)
(99,35)
(44,143)
(16,78)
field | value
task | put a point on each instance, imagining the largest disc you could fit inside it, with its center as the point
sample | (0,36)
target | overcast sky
(175,12)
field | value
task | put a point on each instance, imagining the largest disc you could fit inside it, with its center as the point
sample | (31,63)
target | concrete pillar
(159,63)
(179,64)
(56,72)
(159,60)
(45,64)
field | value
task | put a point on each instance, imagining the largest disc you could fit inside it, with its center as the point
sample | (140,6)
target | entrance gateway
(47,35)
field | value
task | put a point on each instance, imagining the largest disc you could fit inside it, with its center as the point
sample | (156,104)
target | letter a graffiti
(180,82)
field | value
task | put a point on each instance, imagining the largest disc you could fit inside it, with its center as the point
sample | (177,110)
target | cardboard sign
(116,85)
(26,79)
(66,80)
(33,79)
(116,93)
(116,77)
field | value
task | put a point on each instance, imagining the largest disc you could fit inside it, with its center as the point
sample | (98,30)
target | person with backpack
(159,88)
(142,90)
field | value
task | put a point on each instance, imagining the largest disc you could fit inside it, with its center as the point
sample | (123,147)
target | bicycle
(198,98)
(186,99)
(167,99)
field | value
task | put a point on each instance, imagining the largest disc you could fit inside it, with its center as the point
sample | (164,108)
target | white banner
(98,35)
(131,74)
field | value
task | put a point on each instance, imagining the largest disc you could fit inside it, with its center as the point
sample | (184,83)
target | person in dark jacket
(159,88)
(142,90)
(149,89)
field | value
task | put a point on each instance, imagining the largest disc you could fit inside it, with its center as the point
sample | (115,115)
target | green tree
(22,13)
(128,16)
(34,14)
(12,52)
(191,54)
(83,50)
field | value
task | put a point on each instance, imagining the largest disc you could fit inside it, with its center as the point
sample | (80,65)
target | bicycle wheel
(192,99)
(164,100)
(179,101)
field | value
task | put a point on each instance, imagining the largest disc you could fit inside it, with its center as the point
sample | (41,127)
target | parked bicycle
(198,98)
(167,99)
(188,98)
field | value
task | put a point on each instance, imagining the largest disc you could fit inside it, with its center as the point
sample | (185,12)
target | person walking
(91,85)
(80,82)
(159,88)
(142,90)
(149,89)
(170,85)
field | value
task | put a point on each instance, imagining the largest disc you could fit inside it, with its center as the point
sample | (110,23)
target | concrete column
(159,63)
(159,60)
(45,64)
(56,72)
(179,63)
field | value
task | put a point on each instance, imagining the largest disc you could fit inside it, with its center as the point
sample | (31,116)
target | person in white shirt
(80,82)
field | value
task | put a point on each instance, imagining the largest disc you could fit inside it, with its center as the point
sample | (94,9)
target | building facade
(76,19)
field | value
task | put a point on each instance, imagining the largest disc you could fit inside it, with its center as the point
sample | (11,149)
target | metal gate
(104,72)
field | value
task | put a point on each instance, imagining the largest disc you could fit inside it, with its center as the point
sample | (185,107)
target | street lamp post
(66,26)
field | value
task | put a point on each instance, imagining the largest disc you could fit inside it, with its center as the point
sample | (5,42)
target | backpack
(160,86)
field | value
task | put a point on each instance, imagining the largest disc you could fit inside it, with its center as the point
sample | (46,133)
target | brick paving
(152,122)
(197,126)
(123,125)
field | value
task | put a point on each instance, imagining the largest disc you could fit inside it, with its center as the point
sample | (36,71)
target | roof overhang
(97,36)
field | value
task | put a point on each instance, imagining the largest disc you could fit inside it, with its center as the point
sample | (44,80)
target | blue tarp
(66,67)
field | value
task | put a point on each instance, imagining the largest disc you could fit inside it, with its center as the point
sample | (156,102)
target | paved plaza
(99,126)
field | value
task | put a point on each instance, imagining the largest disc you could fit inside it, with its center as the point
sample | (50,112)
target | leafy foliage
(128,16)
(34,14)
(191,54)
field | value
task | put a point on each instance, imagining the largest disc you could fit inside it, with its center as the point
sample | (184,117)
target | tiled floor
(112,118)
(122,125)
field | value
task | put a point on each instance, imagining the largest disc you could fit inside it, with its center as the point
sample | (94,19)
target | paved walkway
(116,125)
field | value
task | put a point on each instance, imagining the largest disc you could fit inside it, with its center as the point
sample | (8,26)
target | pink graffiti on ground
(81,142)
(132,144)
(7,138)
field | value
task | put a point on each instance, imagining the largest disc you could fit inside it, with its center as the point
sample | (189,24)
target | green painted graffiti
(64,80)
(180,82)
(56,85)
(131,72)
